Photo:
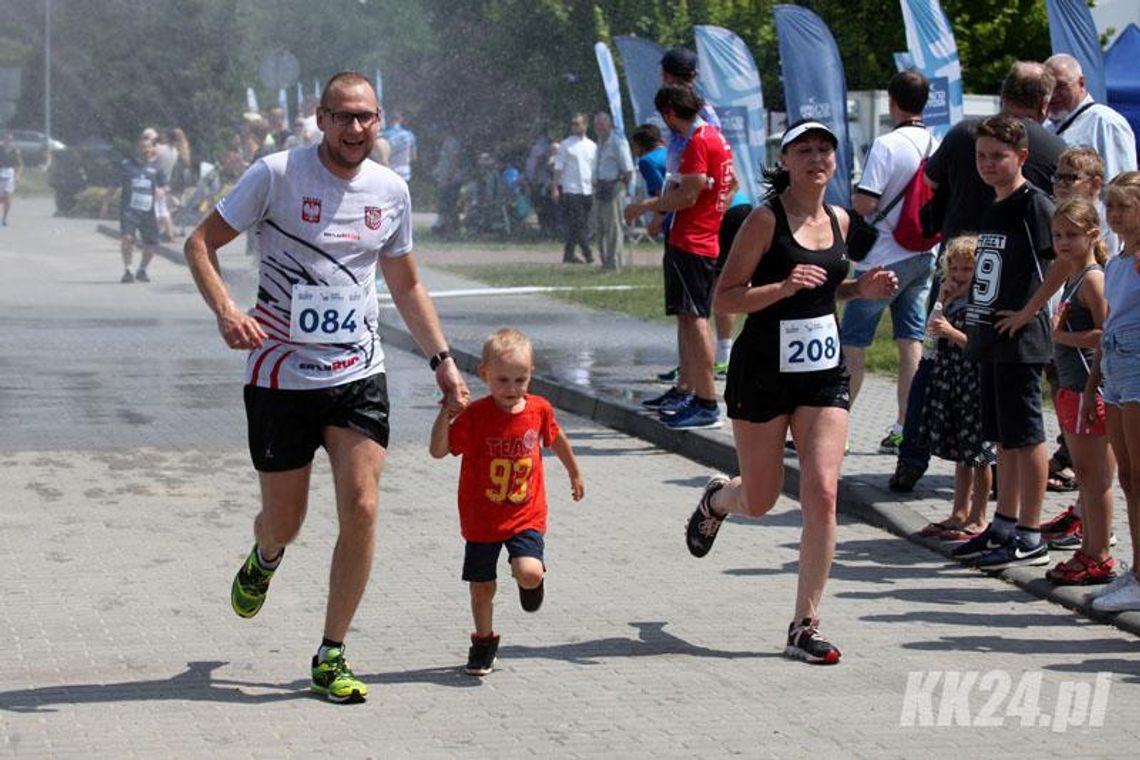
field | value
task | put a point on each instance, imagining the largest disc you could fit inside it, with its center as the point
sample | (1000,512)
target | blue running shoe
(694,416)
(668,396)
(1016,553)
(675,406)
(983,543)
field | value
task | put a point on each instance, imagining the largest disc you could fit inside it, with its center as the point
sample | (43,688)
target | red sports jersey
(502,491)
(696,229)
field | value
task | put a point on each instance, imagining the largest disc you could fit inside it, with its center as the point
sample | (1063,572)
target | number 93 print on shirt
(502,490)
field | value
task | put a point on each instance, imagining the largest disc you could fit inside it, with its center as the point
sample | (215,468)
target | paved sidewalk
(126,497)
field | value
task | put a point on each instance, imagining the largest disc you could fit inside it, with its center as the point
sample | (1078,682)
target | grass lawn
(643,301)
(33,183)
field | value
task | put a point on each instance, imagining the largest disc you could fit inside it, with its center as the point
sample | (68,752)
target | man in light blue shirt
(403,144)
(1079,120)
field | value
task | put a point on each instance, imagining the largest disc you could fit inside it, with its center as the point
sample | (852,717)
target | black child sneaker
(806,643)
(531,598)
(481,655)
(704,523)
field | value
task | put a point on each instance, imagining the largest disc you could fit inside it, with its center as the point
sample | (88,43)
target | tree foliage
(490,70)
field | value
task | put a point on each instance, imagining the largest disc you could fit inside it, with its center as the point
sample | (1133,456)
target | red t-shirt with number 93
(502,491)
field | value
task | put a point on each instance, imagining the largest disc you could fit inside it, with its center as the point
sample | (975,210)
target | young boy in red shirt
(502,491)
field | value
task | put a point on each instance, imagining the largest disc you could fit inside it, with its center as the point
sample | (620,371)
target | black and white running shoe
(704,523)
(806,643)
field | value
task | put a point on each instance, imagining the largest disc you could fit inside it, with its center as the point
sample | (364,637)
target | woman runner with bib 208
(786,269)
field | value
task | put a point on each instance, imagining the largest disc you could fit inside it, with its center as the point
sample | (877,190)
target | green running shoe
(720,370)
(251,583)
(333,678)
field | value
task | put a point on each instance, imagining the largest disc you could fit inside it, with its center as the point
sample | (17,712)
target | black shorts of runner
(480,559)
(756,391)
(137,224)
(1011,404)
(689,283)
(729,226)
(286,427)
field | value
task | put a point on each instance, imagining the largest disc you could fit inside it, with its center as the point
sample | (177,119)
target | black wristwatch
(439,359)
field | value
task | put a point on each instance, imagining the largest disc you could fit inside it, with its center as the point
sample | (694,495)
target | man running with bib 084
(325,215)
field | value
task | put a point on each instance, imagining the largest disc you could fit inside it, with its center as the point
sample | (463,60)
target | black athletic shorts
(756,391)
(689,283)
(480,559)
(1011,404)
(138,224)
(729,226)
(286,427)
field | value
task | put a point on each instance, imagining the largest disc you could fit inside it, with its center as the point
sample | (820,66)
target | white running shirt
(319,238)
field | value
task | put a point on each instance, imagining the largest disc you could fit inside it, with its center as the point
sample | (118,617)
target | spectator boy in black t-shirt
(1008,335)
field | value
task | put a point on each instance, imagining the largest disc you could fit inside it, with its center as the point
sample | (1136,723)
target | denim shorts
(480,559)
(1120,367)
(908,306)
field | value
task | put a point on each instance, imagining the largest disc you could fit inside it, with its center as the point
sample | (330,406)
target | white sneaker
(1127,597)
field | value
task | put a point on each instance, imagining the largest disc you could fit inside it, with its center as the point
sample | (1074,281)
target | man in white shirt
(1079,120)
(327,218)
(891,164)
(573,189)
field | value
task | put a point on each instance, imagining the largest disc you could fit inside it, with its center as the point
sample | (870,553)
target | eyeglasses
(1068,179)
(345,118)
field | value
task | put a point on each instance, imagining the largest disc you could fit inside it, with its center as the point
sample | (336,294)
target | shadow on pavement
(196,683)
(652,641)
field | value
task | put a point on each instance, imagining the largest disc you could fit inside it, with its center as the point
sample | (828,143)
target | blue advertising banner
(815,86)
(730,81)
(641,60)
(1073,31)
(612,85)
(934,52)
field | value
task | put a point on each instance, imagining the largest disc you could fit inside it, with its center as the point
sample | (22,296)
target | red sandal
(1082,570)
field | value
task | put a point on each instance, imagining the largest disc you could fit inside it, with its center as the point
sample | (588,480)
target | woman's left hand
(877,283)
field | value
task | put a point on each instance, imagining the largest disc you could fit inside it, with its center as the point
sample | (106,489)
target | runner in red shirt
(699,198)
(502,491)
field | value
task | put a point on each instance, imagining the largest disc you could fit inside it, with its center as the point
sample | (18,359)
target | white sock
(723,350)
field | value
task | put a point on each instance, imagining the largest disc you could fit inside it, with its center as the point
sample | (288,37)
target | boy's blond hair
(1083,159)
(505,342)
(963,246)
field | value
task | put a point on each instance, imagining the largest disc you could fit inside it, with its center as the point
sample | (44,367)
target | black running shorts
(286,427)
(689,283)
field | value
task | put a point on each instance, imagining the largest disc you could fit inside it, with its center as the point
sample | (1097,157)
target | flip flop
(936,528)
(958,534)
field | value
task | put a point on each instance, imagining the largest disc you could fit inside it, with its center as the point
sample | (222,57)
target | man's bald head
(1026,90)
(1069,90)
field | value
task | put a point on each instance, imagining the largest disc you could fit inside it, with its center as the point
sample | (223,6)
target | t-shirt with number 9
(1015,244)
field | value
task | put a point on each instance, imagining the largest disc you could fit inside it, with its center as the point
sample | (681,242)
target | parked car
(33,146)
(91,163)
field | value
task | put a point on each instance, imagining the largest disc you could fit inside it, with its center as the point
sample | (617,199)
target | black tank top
(7,157)
(777,263)
(1073,363)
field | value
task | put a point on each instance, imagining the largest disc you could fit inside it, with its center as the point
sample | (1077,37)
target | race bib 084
(327,313)
(809,345)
